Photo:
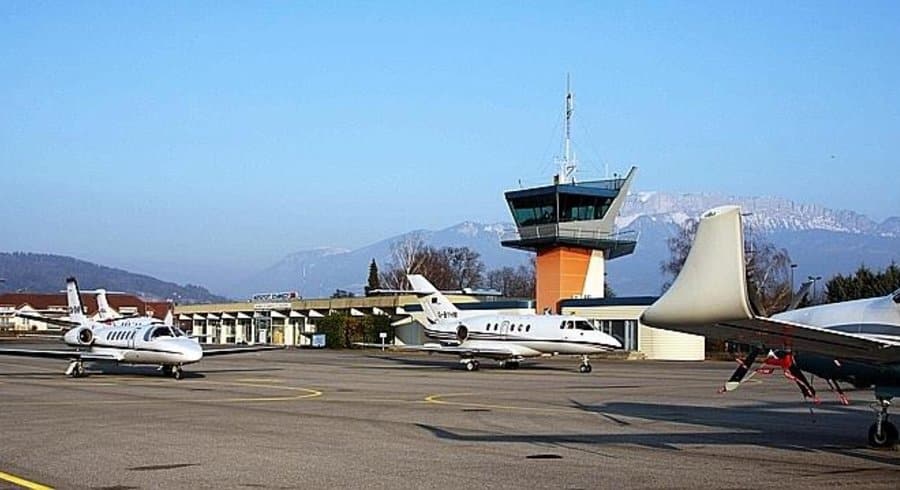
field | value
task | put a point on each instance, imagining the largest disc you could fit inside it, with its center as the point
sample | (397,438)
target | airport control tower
(571,227)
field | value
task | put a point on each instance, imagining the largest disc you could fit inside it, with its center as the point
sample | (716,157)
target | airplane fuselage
(878,318)
(139,342)
(525,335)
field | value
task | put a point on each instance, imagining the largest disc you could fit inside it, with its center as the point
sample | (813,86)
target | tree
(466,267)
(374,280)
(863,284)
(768,267)
(446,268)
(340,293)
(342,331)
(514,282)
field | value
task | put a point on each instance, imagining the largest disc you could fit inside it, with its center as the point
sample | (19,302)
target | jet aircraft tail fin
(104,311)
(75,309)
(435,305)
(712,285)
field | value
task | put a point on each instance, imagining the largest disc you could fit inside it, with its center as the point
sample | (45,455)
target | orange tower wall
(560,274)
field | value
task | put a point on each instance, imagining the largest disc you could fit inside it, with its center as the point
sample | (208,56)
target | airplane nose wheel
(471,365)
(75,369)
(177,372)
(883,433)
(585,365)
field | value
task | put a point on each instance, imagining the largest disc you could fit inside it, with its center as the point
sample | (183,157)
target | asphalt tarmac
(325,419)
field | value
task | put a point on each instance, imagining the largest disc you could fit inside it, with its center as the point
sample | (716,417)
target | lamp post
(814,279)
(793,266)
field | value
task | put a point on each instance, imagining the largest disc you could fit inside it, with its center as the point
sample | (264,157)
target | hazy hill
(47,273)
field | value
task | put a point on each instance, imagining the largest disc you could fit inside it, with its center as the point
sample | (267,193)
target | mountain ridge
(810,232)
(46,273)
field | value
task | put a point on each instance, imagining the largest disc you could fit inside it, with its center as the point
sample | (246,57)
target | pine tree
(374,281)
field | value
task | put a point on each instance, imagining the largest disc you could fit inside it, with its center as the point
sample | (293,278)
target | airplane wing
(239,350)
(710,298)
(457,350)
(53,321)
(58,354)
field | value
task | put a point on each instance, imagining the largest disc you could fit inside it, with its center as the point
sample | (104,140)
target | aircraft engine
(80,336)
(462,333)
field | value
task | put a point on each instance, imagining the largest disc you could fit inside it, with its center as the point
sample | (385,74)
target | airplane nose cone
(610,341)
(193,352)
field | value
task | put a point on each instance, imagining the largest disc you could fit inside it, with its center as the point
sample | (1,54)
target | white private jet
(853,341)
(128,341)
(505,338)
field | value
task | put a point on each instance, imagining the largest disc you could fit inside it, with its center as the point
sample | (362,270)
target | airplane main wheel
(177,372)
(471,365)
(585,368)
(887,437)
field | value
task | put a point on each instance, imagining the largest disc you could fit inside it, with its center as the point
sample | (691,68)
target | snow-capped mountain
(821,241)
(767,214)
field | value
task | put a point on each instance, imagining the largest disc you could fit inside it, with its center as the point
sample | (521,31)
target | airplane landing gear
(883,433)
(75,369)
(173,371)
(585,366)
(509,364)
(470,364)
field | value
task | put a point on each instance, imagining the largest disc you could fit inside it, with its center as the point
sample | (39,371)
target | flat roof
(614,301)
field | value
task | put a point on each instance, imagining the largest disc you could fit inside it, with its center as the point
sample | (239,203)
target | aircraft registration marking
(19,481)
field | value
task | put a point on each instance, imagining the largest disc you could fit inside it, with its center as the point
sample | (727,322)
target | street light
(793,266)
(813,279)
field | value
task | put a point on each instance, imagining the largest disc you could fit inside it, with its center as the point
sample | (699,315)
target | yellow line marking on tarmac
(439,400)
(16,480)
(304,393)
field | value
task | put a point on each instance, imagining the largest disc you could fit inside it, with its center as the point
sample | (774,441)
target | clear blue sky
(209,133)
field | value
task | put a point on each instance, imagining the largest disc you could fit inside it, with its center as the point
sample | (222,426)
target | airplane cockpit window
(161,331)
(583,325)
(177,331)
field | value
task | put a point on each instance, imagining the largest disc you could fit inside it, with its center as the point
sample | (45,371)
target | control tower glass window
(574,207)
(534,210)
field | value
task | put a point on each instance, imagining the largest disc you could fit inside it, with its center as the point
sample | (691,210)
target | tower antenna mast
(568,165)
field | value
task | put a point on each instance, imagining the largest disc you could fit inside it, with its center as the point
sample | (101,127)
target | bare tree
(514,282)
(465,265)
(447,268)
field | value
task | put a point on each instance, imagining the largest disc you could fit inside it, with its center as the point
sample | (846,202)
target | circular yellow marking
(439,399)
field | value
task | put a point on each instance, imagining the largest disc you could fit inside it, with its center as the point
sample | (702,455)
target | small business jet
(128,341)
(857,342)
(507,339)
